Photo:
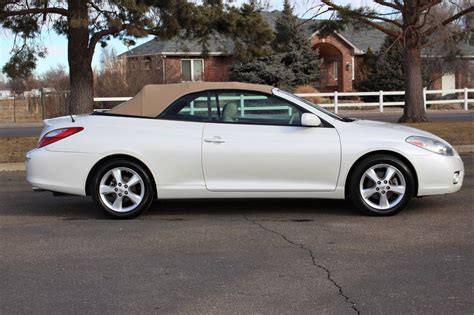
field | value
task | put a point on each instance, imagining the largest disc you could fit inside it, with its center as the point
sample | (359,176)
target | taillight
(57,135)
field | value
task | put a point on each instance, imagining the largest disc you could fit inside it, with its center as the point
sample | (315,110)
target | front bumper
(436,173)
(64,172)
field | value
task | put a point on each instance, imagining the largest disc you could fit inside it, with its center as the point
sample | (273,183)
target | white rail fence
(381,103)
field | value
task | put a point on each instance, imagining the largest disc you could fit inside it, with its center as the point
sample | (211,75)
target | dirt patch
(14,149)
(456,133)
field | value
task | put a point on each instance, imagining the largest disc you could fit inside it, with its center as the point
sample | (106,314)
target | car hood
(388,129)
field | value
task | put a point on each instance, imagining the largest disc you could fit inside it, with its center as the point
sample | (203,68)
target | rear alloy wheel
(123,189)
(382,185)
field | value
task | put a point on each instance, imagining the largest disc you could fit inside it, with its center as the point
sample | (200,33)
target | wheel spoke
(134,180)
(372,175)
(389,173)
(369,192)
(384,203)
(117,205)
(399,190)
(117,175)
(136,199)
(106,189)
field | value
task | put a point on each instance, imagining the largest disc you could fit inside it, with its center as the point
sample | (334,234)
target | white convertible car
(235,140)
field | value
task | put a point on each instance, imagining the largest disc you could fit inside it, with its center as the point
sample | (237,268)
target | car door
(255,142)
(178,141)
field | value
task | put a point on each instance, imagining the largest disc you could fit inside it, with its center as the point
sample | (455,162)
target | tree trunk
(81,79)
(414,110)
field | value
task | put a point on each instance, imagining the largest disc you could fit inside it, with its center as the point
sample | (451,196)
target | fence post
(14,108)
(42,102)
(465,99)
(424,98)
(381,101)
(335,102)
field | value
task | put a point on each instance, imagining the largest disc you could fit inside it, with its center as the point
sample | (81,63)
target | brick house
(177,61)
(183,60)
(339,58)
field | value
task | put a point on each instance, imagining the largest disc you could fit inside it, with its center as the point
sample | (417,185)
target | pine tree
(292,62)
(287,31)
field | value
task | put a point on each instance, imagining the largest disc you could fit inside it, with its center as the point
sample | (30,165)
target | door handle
(214,140)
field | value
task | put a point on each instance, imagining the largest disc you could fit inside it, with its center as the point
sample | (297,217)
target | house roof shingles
(362,38)
(216,44)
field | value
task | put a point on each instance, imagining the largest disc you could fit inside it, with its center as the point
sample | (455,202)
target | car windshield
(318,107)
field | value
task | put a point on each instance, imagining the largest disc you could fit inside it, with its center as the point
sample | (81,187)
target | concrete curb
(12,167)
(463,149)
(19,167)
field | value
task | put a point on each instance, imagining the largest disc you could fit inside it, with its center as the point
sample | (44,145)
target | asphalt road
(432,116)
(29,131)
(62,255)
(20,131)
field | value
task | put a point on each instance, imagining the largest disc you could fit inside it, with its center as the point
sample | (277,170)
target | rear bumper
(64,172)
(436,173)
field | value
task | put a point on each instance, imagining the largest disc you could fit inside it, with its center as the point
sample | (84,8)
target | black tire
(367,207)
(144,188)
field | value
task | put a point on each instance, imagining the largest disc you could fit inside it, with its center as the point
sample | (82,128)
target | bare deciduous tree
(56,78)
(116,78)
(413,23)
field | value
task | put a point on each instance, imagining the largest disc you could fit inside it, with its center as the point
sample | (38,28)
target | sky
(57,45)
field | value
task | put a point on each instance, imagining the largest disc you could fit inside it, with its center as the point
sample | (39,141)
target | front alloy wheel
(123,189)
(381,185)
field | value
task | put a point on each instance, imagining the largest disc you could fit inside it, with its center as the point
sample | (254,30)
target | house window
(192,69)
(353,68)
(133,63)
(146,63)
(335,69)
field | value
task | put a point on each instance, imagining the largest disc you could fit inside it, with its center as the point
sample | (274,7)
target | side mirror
(310,120)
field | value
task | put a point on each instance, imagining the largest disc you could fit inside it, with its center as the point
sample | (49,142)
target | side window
(193,107)
(254,108)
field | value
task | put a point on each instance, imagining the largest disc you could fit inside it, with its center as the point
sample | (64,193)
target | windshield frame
(316,106)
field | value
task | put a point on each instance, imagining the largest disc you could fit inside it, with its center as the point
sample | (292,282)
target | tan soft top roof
(152,100)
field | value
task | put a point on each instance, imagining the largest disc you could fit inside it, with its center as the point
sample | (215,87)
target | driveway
(61,255)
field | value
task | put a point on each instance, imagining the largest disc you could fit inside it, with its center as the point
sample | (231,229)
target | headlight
(431,145)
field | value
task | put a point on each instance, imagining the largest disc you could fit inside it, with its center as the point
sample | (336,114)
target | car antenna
(72,118)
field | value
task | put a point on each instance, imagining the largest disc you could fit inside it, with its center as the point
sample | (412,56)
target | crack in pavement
(313,260)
